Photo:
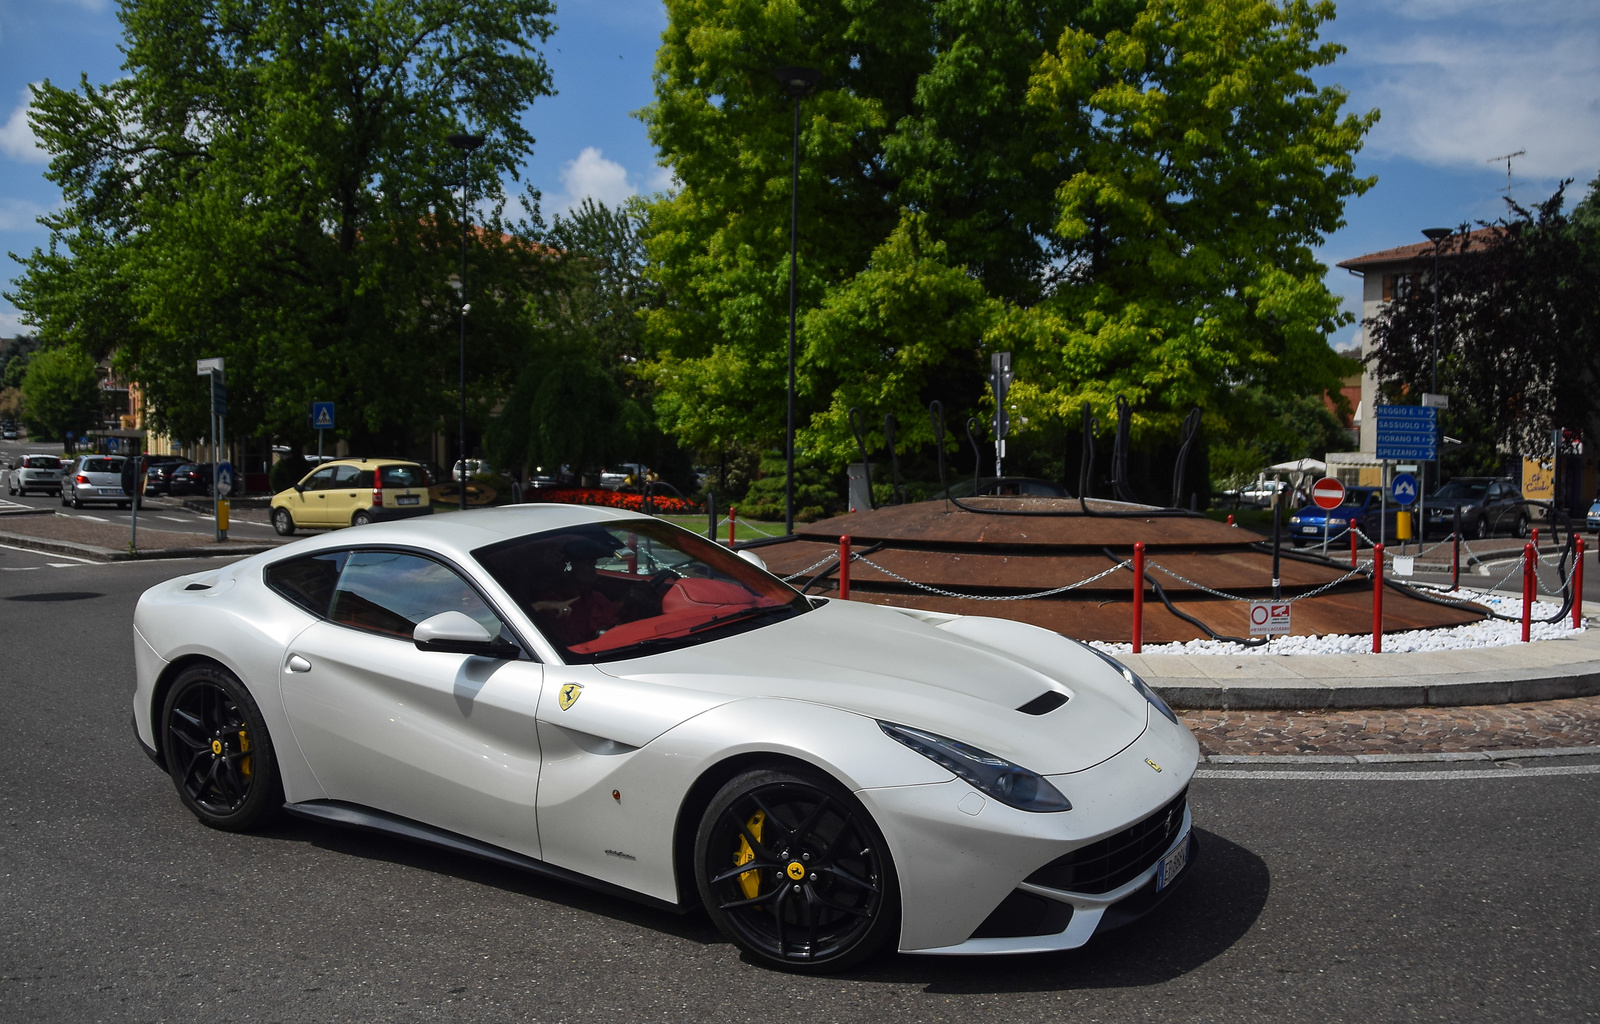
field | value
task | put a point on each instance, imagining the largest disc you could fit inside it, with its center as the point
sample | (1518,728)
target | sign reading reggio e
(1409,433)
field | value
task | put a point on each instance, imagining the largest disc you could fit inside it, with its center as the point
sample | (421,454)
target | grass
(744,529)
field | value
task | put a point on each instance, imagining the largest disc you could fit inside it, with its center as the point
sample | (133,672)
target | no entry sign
(1328,492)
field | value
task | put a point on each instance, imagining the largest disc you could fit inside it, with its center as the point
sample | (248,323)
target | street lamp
(465,143)
(1437,237)
(798,82)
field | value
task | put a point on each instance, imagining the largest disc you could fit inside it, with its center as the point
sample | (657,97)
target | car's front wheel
(283,522)
(218,751)
(793,870)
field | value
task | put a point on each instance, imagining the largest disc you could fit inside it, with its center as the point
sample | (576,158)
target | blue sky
(1458,82)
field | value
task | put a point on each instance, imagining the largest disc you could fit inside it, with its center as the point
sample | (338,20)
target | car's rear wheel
(1480,529)
(361,518)
(793,870)
(77,502)
(218,751)
(1522,526)
(283,522)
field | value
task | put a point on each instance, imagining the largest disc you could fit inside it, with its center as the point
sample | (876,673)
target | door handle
(298,664)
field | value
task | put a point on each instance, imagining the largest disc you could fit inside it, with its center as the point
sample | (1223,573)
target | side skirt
(335,812)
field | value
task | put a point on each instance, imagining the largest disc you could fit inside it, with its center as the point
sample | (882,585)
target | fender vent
(1045,703)
(198,586)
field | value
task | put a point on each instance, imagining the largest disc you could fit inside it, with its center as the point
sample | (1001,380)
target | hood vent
(1045,703)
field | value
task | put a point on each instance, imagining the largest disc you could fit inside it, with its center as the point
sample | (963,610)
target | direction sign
(219,394)
(322,415)
(1269,618)
(1328,492)
(1409,432)
(1404,489)
(224,479)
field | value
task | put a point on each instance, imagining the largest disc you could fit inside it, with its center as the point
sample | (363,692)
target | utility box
(859,498)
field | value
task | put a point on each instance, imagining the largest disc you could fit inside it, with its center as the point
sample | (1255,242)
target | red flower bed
(661,504)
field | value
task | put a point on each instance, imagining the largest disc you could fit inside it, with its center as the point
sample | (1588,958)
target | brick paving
(1556,723)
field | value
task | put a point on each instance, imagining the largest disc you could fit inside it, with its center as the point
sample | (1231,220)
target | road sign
(204,366)
(322,415)
(1407,432)
(219,394)
(224,478)
(1269,618)
(1436,401)
(1404,489)
(1328,492)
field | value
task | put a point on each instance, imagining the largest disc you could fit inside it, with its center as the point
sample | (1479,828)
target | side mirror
(456,633)
(754,559)
(299,487)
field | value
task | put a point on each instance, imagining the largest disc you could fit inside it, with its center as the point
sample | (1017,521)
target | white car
(607,699)
(35,473)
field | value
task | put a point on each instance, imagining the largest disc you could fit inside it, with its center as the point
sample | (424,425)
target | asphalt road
(1317,897)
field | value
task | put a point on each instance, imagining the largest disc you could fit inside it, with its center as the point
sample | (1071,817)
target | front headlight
(1294,520)
(993,776)
(1133,679)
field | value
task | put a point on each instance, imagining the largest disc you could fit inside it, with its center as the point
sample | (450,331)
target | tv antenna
(1507,157)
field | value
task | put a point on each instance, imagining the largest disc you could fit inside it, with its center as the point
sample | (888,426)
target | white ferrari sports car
(607,699)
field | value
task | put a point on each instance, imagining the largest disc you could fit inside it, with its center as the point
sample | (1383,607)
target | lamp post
(798,82)
(1437,237)
(465,143)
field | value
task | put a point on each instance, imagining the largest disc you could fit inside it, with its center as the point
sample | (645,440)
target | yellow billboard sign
(1538,479)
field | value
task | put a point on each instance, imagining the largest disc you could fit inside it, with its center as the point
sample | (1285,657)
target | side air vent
(198,586)
(1045,703)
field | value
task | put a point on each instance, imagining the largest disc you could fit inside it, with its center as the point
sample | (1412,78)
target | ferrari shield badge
(569,695)
(1147,761)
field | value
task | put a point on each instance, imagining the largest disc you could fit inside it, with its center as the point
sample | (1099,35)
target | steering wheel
(662,582)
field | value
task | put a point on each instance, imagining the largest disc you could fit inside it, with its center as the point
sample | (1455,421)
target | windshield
(606,591)
(1463,489)
(1355,498)
(42,462)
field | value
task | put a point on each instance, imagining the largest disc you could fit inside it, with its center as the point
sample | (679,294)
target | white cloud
(94,6)
(16,135)
(592,176)
(1461,81)
(663,179)
(11,323)
(19,214)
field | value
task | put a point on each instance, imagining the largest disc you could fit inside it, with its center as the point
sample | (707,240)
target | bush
(287,472)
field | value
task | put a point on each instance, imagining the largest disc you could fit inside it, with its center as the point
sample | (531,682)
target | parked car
(190,478)
(35,473)
(475,467)
(1362,506)
(1488,505)
(1594,516)
(158,473)
(8,430)
(352,492)
(94,479)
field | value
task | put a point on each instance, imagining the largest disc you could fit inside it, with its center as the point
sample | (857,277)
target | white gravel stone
(1488,633)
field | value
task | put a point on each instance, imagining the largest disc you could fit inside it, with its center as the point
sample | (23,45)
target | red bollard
(1528,555)
(1230,520)
(733,516)
(1577,588)
(844,568)
(1138,597)
(1352,545)
(1534,538)
(1377,598)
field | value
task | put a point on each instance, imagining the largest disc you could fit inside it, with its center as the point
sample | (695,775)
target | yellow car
(352,492)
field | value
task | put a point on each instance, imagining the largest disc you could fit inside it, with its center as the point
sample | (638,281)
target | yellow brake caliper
(750,881)
(244,748)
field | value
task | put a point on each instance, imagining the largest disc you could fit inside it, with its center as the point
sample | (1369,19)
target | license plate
(1308,529)
(406,499)
(110,490)
(1172,864)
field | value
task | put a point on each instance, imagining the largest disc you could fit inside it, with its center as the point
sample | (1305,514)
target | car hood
(962,677)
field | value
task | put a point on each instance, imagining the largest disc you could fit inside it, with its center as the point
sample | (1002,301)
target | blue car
(1594,516)
(1361,505)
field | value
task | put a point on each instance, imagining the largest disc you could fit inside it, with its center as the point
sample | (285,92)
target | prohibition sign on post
(1269,618)
(1328,492)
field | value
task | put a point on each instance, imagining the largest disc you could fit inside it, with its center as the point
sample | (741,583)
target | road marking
(95,518)
(177,519)
(1505,754)
(1449,775)
(31,551)
(22,568)
(62,565)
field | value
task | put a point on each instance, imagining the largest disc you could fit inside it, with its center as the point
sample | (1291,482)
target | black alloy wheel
(361,518)
(1522,525)
(793,870)
(283,522)
(217,750)
(1480,530)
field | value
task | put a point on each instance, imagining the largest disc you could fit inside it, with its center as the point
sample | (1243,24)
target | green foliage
(816,492)
(271,183)
(61,391)
(1295,427)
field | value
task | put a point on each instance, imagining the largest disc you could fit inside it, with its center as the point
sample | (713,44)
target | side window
(390,592)
(344,476)
(308,582)
(321,480)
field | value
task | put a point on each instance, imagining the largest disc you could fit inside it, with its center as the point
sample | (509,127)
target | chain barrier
(1365,566)
(1483,592)
(1124,564)
(831,556)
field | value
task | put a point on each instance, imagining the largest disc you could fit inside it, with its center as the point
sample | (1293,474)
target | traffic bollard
(844,568)
(1352,529)
(1138,596)
(1377,598)
(1533,538)
(1455,560)
(733,515)
(1528,555)
(1230,519)
(1577,588)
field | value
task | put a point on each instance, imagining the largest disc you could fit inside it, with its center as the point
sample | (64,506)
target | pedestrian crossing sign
(322,415)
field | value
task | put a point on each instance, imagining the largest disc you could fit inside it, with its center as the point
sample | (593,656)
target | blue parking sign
(1404,489)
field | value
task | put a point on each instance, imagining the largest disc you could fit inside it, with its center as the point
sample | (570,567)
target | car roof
(352,460)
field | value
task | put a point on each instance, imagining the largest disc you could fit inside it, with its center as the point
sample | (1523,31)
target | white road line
(177,519)
(21,568)
(1409,776)
(31,551)
(62,565)
(95,518)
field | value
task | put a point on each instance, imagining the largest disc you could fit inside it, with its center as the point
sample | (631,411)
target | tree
(1519,330)
(1125,194)
(61,391)
(271,183)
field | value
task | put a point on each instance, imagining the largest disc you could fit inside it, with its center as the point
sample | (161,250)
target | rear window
(403,476)
(102,465)
(41,462)
(308,582)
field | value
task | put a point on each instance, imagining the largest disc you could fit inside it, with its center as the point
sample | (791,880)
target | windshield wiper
(743,613)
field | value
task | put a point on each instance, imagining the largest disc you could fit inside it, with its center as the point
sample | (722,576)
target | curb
(100,554)
(1508,754)
(1584,682)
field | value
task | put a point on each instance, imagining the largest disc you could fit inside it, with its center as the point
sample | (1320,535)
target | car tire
(77,502)
(283,522)
(63,499)
(361,518)
(792,825)
(1480,529)
(122,504)
(217,750)
(1521,529)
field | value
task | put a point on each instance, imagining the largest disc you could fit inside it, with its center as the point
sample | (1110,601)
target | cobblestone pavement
(1557,723)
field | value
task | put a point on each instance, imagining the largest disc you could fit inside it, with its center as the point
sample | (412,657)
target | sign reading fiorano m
(1408,432)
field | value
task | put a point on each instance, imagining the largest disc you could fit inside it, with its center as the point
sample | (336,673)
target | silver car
(94,478)
(34,473)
